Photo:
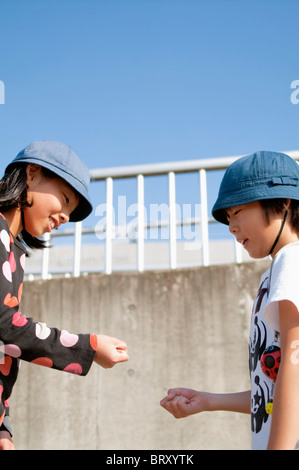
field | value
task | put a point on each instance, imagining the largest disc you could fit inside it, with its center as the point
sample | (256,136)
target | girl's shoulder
(5,235)
(7,239)
(3,221)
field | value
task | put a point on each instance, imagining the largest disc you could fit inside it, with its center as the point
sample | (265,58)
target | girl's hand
(110,351)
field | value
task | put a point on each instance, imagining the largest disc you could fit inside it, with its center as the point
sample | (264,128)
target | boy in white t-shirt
(259,200)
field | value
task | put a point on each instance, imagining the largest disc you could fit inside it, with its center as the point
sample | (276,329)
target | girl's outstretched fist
(183,402)
(110,351)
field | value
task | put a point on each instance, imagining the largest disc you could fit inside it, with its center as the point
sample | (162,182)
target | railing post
(77,249)
(109,220)
(140,240)
(45,258)
(172,220)
(204,218)
(238,252)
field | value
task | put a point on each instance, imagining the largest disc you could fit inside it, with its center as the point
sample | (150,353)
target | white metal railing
(140,172)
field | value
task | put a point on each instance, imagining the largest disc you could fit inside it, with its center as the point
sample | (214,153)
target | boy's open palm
(183,402)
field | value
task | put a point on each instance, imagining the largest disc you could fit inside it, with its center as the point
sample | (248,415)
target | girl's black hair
(13,194)
(279,206)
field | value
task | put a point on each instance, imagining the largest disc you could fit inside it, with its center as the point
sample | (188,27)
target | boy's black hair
(279,206)
(13,194)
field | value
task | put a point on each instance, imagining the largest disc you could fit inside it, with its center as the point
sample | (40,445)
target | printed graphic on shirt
(260,338)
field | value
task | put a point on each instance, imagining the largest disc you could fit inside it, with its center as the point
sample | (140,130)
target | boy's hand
(110,351)
(6,441)
(183,402)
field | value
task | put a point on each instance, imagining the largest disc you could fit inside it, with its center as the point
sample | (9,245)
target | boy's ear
(287,203)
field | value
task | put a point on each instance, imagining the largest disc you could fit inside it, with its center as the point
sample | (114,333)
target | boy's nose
(232,227)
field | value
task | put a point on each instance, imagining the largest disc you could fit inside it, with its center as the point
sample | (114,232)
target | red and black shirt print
(23,339)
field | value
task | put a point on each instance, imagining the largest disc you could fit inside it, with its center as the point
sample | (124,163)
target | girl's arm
(110,351)
(183,402)
(285,419)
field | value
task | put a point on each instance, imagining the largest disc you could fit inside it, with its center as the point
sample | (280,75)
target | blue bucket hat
(262,175)
(65,163)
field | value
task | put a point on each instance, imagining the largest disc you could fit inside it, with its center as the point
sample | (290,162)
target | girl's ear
(32,171)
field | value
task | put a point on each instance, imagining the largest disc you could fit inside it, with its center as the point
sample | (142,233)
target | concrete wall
(186,328)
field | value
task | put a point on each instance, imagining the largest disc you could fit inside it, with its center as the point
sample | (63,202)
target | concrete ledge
(186,327)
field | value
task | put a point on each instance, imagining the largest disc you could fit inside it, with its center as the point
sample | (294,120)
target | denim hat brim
(65,163)
(262,175)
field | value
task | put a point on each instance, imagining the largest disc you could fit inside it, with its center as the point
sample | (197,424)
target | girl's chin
(37,233)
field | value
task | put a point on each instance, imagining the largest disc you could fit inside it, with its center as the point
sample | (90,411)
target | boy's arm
(183,402)
(6,442)
(285,423)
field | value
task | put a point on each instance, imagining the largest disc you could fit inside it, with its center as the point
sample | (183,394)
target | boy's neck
(287,238)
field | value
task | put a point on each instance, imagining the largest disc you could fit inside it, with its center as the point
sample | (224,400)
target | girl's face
(52,202)
(249,225)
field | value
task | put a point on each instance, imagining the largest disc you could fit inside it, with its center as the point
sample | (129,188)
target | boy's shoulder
(286,260)
(288,251)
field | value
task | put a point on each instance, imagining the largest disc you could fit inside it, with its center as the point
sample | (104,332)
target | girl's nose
(64,218)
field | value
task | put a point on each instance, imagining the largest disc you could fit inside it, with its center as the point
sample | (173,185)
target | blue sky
(142,81)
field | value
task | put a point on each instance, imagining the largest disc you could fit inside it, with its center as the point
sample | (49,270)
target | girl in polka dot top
(45,186)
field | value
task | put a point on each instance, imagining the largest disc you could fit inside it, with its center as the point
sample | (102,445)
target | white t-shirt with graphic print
(284,285)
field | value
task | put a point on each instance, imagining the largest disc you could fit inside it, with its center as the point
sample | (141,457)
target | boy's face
(52,201)
(249,225)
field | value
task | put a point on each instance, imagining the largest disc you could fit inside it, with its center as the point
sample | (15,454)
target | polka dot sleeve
(21,337)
